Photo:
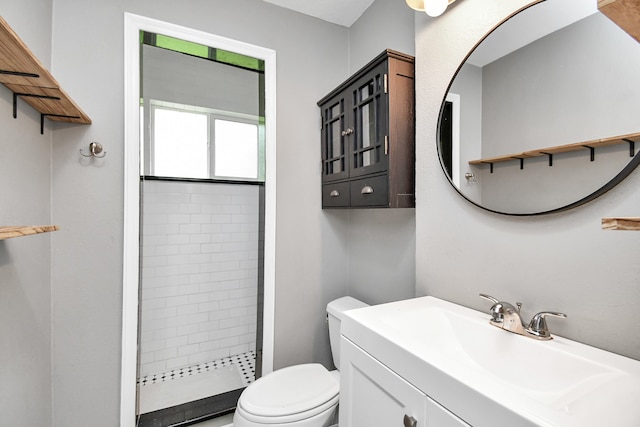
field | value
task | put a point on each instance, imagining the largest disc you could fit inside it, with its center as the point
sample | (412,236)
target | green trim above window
(183,46)
(239,60)
(202,51)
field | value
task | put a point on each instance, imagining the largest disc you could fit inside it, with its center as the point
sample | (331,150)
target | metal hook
(95,148)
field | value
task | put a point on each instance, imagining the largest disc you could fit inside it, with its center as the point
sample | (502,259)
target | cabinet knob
(367,189)
(410,421)
(334,193)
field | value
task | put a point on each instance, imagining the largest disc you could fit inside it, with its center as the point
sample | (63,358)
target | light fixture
(432,8)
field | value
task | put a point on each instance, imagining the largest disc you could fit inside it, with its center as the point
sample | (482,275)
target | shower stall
(201,229)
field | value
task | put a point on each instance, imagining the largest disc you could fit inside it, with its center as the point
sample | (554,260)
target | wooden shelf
(7,232)
(622,223)
(23,74)
(625,13)
(631,138)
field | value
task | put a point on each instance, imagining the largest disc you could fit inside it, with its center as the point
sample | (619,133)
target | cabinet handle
(367,189)
(334,193)
(410,421)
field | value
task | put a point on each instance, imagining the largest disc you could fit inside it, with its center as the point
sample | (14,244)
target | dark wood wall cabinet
(368,137)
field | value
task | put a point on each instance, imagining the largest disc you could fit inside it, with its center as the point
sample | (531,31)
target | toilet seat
(290,394)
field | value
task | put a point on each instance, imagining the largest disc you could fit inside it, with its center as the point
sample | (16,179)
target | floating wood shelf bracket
(15,100)
(19,73)
(592,152)
(632,147)
(23,74)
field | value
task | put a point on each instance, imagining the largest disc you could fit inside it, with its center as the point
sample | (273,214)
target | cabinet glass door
(369,141)
(334,136)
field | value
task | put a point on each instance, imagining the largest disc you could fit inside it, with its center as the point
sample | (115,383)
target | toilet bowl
(301,395)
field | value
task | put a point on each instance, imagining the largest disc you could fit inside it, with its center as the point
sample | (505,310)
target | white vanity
(426,362)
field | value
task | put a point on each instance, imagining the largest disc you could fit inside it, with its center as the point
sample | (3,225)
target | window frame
(212,115)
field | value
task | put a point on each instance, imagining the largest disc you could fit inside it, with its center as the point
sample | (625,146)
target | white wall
(563,262)
(25,262)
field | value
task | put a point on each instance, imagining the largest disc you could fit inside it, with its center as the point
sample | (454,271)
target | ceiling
(341,12)
(529,26)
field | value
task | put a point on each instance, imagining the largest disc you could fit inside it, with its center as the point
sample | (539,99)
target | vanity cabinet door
(372,395)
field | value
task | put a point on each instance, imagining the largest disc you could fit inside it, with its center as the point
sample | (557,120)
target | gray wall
(381,242)
(25,262)
(87,47)
(312,250)
(562,262)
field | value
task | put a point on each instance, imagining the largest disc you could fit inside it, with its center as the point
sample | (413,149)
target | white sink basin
(453,354)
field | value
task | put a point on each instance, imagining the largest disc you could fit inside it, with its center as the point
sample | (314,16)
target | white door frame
(133,25)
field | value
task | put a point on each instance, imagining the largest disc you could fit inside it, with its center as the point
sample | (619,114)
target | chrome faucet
(505,316)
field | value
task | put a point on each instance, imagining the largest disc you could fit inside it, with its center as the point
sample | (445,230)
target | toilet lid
(288,391)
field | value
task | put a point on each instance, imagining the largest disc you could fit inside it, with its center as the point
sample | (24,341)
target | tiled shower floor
(171,388)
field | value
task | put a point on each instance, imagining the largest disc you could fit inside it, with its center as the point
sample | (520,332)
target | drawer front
(335,195)
(370,192)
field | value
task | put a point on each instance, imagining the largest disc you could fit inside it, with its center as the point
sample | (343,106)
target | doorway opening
(199,245)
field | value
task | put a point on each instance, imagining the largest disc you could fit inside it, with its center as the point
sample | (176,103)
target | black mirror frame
(625,172)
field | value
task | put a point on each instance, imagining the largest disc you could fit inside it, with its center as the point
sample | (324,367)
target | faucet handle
(490,298)
(538,325)
(496,310)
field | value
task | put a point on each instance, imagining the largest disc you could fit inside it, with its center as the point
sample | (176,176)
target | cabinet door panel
(438,416)
(369,99)
(371,395)
(335,134)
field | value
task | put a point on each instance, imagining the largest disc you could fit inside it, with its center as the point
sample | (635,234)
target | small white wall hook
(95,148)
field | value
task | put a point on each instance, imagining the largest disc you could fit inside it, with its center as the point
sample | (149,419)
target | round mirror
(543,115)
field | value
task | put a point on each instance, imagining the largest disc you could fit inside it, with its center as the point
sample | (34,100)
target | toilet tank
(335,310)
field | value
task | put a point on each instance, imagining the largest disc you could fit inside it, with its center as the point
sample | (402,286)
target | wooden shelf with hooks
(7,232)
(630,139)
(23,74)
(621,223)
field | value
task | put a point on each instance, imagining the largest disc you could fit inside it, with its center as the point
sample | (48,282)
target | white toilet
(301,395)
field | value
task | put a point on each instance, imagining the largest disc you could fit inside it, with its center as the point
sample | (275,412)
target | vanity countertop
(487,376)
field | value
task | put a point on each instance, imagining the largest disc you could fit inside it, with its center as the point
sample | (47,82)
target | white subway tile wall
(199,262)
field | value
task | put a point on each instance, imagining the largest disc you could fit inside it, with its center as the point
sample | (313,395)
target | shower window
(180,144)
(194,142)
